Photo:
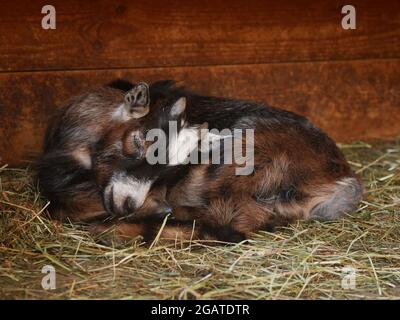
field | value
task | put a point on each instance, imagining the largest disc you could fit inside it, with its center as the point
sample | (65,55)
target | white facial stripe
(180,147)
(125,186)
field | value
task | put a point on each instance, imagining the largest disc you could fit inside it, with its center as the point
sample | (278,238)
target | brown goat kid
(299,173)
(95,144)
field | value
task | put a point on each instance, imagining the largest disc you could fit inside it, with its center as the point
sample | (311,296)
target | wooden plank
(127,34)
(350,100)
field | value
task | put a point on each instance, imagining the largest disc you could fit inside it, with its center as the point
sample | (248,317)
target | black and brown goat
(299,173)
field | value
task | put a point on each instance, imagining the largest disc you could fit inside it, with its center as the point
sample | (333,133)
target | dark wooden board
(130,34)
(350,100)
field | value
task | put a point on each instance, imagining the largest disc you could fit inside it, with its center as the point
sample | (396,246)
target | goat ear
(137,100)
(178,108)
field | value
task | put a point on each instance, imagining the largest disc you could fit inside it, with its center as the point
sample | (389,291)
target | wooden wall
(291,54)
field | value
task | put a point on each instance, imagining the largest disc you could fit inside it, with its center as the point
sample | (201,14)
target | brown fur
(65,167)
(289,181)
(299,173)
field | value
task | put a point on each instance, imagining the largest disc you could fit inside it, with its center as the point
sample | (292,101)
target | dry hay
(304,260)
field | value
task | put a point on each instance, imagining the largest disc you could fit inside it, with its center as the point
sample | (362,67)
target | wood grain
(131,34)
(350,100)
